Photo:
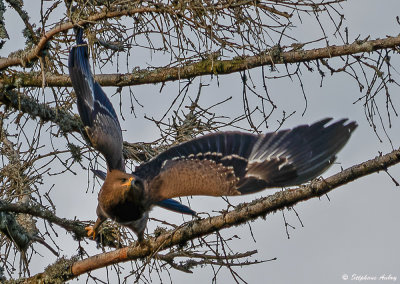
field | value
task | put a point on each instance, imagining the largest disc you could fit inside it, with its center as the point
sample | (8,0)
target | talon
(90,232)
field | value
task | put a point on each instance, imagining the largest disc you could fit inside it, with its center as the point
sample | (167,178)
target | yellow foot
(90,232)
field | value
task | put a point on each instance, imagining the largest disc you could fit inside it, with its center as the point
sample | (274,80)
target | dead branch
(241,214)
(190,39)
(67,122)
(116,11)
(73,226)
(209,66)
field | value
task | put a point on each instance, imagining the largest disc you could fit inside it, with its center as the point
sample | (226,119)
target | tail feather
(82,79)
(95,109)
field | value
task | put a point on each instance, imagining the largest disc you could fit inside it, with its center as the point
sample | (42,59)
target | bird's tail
(79,35)
(82,78)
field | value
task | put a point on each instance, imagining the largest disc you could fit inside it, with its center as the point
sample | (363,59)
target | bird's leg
(92,230)
(140,236)
(138,227)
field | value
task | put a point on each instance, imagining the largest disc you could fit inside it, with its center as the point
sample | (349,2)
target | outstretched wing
(234,147)
(95,109)
(292,157)
(233,163)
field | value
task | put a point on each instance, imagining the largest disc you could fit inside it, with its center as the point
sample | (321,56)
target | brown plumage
(218,164)
(185,177)
(120,199)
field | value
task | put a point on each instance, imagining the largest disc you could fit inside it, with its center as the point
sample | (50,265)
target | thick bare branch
(190,39)
(241,214)
(209,66)
(115,12)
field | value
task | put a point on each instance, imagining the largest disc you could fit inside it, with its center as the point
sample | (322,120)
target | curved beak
(129,182)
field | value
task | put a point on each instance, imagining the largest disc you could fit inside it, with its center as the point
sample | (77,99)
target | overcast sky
(356,232)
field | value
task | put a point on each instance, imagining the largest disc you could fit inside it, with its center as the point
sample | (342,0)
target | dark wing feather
(174,205)
(95,109)
(292,157)
(228,148)
(231,163)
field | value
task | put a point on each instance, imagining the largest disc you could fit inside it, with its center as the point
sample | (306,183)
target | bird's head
(126,185)
(125,181)
(122,197)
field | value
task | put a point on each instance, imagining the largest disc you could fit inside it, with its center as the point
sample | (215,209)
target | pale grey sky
(356,232)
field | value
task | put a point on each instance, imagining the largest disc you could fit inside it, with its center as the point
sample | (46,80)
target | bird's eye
(125,180)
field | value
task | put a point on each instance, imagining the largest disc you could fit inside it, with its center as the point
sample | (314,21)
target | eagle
(217,164)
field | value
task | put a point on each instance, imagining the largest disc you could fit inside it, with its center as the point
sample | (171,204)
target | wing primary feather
(292,157)
(231,163)
(212,146)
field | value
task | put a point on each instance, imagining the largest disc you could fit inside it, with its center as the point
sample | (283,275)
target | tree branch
(116,11)
(28,105)
(241,214)
(74,226)
(207,67)
(67,122)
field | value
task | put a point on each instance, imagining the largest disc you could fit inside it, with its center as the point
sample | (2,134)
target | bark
(240,215)
(75,226)
(28,105)
(28,56)
(211,66)
(68,123)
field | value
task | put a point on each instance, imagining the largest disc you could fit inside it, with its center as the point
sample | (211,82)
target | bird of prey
(217,164)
